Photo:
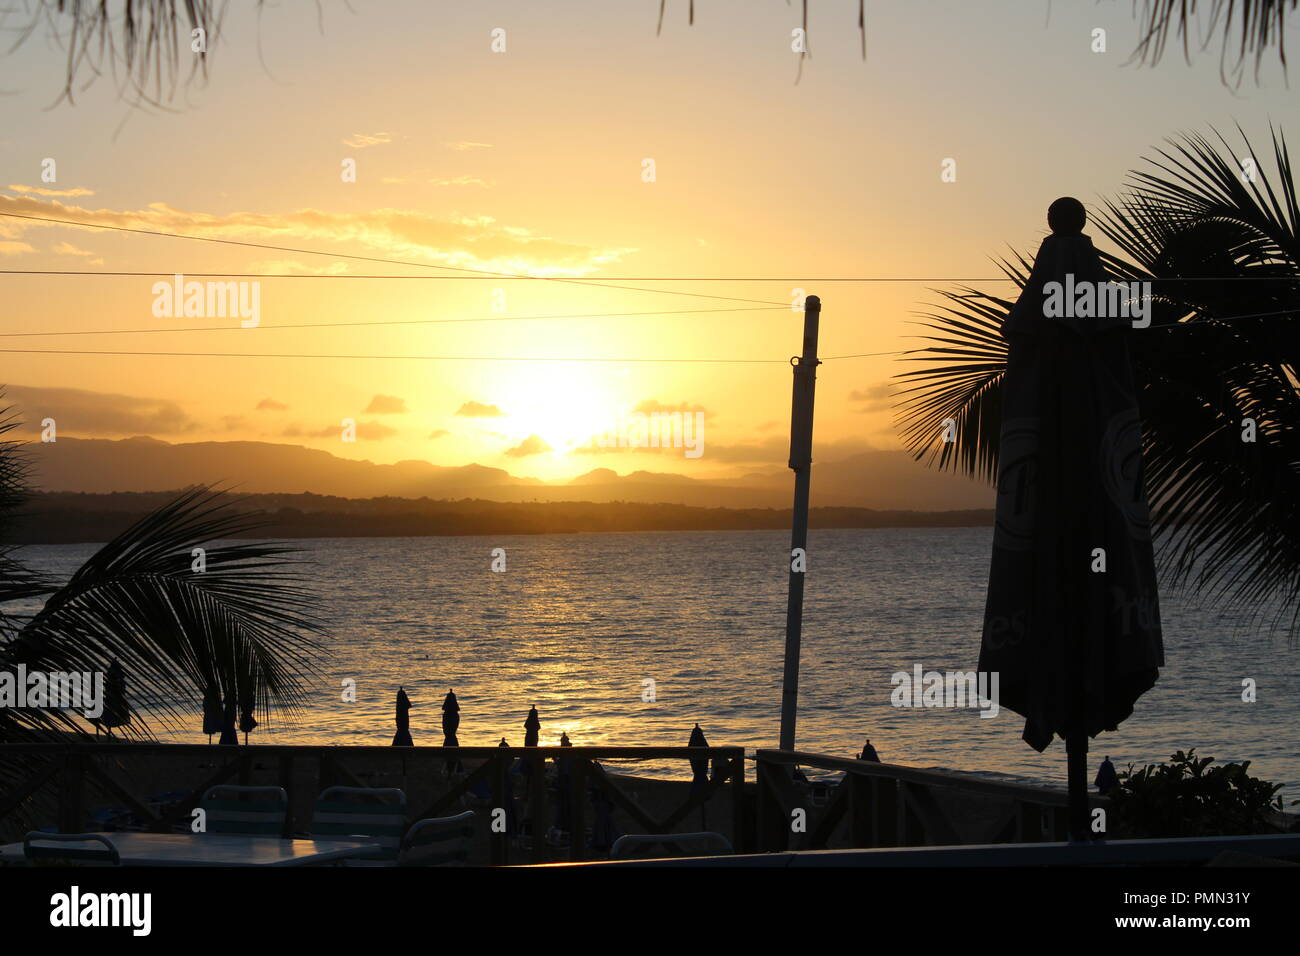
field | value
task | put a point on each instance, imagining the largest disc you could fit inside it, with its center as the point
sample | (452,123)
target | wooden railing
(55,784)
(887,805)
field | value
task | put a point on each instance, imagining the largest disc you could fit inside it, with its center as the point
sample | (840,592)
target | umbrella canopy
(117,710)
(229,735)
(450,719)
(246,719)
(211,712)
(532,727)
(1072,621)
(700,767)
(403,736)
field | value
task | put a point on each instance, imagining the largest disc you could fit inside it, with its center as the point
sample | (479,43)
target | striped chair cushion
(382,823)
(255,817)
(439,841)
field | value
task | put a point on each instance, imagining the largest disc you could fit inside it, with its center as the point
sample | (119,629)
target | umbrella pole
(801,426)
(1076,756)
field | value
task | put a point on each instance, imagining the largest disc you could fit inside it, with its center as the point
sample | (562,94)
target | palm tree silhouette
(243,625)
(1217,367)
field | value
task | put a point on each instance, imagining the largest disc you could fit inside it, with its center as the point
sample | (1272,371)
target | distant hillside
(880,480)
(64,517)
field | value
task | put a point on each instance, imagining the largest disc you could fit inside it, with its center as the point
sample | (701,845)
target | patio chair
(438,841)
(105,855)
(261,815)
(377,814)
(625,847)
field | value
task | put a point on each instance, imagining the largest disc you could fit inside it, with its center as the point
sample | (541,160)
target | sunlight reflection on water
(577,622)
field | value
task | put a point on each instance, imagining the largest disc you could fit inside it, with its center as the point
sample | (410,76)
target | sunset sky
(530,161)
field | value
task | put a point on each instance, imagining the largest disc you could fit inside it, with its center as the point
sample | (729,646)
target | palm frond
(1254,26)
(1221,251)
(244,626)
(950,411)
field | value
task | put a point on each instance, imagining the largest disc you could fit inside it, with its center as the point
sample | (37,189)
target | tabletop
(211,849)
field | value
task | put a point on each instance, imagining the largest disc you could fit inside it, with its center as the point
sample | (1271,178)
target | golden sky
(530,162)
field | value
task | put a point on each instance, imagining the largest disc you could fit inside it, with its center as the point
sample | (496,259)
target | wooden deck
(871,805)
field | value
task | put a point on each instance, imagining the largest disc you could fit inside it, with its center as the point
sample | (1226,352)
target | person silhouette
(1107,780)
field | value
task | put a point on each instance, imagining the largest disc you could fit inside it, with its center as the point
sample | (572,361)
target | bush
(1188,798)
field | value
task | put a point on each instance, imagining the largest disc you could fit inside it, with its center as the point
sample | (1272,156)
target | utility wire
(436,358)
(484,275)
(424,358)
(480,273)
(346,325)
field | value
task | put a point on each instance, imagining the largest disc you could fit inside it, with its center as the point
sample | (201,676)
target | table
(212,849)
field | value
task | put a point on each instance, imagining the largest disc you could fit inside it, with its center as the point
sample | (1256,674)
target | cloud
(386,405)
(461,181)
(234,422)
(651,405)
(478,242)
(479,410)
(365,140)
(42,191)
(78,411)
(374,431)
(68,249)
(8,248)
(873,399)
(439,433)
(366,431)
(271,405)
(464,145)
(294,267)
(773,450)
(532,445)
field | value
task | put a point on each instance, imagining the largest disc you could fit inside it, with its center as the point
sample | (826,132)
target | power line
(423,358)
(345,325)
(432,358)
(481,275)
(357,258)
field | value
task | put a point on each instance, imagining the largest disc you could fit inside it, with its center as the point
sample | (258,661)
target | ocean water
(577,624)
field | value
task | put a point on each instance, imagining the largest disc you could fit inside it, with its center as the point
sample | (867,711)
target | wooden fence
(875,805)
(886,805)
(63,779)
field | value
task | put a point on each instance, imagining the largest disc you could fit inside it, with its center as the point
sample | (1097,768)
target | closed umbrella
(532,727)
(117,710)
(1072,621)
(450,724)
(211,712)
(403,736)
(450,719)
(246,719)
(699,766)
(229,735)
(563,790)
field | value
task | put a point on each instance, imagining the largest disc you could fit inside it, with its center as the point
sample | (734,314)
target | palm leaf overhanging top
(1255,26)
(1217,237)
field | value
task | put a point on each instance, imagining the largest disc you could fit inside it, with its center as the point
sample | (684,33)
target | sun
(564,404)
